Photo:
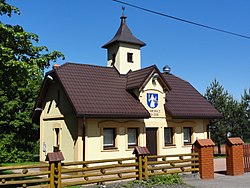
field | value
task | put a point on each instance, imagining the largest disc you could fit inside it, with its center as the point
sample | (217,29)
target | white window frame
(114,134)
(130,145)
(189,141)
(172,136)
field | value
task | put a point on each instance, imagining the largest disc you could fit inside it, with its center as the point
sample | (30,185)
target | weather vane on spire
(123,9)
(123,17)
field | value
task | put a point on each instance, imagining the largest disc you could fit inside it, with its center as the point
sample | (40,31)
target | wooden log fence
(172,164)
(58,174)
(36,175)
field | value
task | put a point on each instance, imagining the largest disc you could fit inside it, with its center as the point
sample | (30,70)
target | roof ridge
(151,66)
(83,64)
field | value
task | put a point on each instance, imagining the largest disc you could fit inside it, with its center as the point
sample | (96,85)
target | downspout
(83,138)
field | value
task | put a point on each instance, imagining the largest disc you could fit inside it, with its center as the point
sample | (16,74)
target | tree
(218,97)
(234,122)
(245,105)
(22,66)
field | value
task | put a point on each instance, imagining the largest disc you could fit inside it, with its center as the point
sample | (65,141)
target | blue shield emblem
(152,100)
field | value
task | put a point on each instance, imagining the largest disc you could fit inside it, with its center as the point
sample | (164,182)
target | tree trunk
(219,148)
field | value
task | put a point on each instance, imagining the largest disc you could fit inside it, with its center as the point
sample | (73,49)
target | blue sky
(79,28)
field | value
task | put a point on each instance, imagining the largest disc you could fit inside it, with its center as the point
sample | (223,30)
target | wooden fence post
(52,175)
(141,155)
(55,168)
(145,167)
(193,157)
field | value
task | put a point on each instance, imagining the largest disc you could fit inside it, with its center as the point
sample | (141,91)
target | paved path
(220,180)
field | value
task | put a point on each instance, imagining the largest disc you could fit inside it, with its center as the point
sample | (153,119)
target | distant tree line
(22,65)
(236,114)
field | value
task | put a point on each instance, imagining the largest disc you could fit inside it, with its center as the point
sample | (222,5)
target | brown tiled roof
(54,157)
(124,34)
(137,79)
(96,91)
(141,150)
(184,101)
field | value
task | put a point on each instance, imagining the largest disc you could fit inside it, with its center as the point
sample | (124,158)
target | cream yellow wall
(121,51)
(94,139)
(199,132)
(57,113)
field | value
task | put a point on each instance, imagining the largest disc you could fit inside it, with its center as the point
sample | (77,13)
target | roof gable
(138,79)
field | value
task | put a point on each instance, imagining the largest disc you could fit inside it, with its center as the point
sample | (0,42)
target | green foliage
(158,180)
(218,97)
(165,180)
(21,72)
(234,122)
(245,105)
(7,9)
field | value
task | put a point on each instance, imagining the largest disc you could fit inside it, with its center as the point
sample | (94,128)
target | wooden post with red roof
(55,168)
(141,154)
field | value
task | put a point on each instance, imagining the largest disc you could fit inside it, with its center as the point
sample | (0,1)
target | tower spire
(124,49)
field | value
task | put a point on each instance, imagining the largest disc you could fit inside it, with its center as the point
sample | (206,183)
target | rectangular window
(168,136)
(57,130)
(109,138)
(187,132)
(130,57)
(132,137)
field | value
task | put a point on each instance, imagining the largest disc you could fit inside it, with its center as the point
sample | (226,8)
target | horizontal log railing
(99,171)
(58,174)
(36,175)
(171,164)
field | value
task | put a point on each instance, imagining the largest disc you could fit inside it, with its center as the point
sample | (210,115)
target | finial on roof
(123,9)
(123,17)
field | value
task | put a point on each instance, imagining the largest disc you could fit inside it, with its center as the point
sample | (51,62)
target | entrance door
(151,139)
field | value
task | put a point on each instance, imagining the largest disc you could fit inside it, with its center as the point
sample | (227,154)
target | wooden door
(151,139)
